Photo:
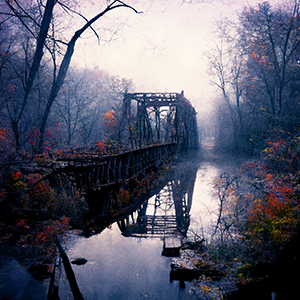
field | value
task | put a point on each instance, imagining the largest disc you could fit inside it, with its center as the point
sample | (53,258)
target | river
(129,266)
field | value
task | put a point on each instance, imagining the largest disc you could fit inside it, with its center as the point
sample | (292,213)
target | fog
(162,49)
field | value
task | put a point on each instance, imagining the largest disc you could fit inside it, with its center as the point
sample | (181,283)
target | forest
(44,103)
(50,107)
(255,67)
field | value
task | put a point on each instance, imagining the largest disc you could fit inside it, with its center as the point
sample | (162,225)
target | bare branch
(26,14)
(66,8)
(67,59)
(16,14)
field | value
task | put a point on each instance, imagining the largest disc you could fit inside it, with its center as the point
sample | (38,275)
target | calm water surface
(121,267)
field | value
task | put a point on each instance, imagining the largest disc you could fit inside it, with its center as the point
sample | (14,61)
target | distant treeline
(256,67)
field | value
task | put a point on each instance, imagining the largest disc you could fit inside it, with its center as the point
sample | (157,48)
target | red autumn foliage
(17,175)
(101,148)
(261,205)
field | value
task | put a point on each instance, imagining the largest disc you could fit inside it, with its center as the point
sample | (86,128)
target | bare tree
(58,81)
(271,38)
(226,66)
(45,32)
(254,65)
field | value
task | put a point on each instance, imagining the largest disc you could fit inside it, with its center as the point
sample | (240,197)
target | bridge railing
(94,172)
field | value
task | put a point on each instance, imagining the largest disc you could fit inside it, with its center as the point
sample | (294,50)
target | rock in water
(79,261)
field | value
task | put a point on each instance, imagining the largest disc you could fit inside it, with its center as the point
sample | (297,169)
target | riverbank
(256,243)
(17,283)
(223,268)
(208,278)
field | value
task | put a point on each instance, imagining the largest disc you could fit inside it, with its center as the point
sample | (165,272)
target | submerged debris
(79,261)
(208,279)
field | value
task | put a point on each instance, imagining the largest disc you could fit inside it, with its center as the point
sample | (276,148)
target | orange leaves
(33,178)
(58,152)
(33,136)
(5,140)
(110,123)
(283,155)
(21,223)
(266,200)
(33,194)
(272,221)
(42,195)
(50,135)
(42,159)
(109,118)
(254,56)
(109,115)
(261,60)
(274,146)
(47,233)
(2,133)
(273,217)
(17,175)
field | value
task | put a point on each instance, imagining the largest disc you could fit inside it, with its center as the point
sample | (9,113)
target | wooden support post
(69,272)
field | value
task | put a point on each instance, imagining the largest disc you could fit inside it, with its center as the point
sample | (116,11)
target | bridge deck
(95,173)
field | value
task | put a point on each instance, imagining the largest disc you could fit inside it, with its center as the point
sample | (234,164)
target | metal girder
(157,118)
(157,99)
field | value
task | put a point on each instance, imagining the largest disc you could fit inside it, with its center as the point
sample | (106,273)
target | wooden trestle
(95,172)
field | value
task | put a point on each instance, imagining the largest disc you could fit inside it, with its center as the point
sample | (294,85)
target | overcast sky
(162,49)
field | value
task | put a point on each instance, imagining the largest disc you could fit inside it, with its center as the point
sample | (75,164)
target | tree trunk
(38,54)
(58,82)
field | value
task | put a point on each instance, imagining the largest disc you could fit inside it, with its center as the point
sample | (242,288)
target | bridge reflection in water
(165,215)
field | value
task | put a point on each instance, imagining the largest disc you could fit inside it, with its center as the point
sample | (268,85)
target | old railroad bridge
(156,126)
(156,118)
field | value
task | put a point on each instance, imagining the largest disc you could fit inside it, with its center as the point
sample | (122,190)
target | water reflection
(129,266)
(165,215)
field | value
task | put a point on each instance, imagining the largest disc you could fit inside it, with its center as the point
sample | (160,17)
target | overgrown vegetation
(34,214)
(48,110)
(255,67)
(45,102)
(259,205)
(255,239)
